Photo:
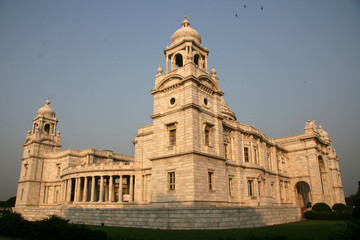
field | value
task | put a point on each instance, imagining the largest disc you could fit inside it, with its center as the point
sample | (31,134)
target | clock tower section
(187,125)
(43,138)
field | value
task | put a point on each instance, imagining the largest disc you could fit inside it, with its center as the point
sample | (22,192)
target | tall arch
(322,173)
(179,60)
(196,60)
(47,128)
(303,193)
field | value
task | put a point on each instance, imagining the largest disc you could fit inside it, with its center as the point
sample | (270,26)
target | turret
(42,138)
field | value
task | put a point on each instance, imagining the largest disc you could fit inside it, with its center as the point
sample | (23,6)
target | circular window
(205,101)
(172,101)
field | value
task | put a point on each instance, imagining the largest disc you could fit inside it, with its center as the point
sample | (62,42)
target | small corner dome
(46,111)
(226,112)
(185,32)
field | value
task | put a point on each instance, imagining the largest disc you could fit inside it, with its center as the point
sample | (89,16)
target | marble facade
(194,155)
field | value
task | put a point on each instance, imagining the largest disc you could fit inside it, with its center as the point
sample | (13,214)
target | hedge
(339,207)
(321,207)
(344,215)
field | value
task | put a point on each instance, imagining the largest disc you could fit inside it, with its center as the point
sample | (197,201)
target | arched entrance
(303,196)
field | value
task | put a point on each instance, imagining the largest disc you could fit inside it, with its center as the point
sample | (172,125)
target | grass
(309,229)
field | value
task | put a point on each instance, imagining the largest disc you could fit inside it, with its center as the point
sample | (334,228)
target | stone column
(101,197)
(200,63)
(120,189)
(131,188)
(63,197)
(173,63)
(63,192)
(251,153)
(68,190)
(111,189)
(206,64)
(167,63)
(78,188)
(92,189)
(75,190)
(85,194)
(144,185)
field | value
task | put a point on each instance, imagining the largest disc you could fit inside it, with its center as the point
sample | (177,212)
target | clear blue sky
(96,60)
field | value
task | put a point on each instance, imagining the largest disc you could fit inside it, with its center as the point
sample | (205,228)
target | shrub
(339,207)
(338,216)
(321,207)
(57,228)
(53,227)
(14,225)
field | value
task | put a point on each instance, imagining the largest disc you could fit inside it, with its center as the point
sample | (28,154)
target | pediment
(47,141)
(168,82)
(208,83)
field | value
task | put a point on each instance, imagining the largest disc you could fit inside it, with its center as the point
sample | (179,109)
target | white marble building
(194,154)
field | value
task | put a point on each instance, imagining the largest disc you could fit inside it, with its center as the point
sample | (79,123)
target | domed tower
(42,138)
(188,124)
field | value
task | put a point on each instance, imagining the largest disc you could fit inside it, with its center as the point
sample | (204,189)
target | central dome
(185,32)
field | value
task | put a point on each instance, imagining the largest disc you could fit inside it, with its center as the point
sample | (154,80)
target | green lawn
(310,229)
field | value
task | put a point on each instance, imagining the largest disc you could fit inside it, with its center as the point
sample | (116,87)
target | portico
(99,189)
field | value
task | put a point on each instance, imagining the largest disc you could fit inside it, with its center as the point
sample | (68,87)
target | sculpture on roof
(323,134)
(310,125)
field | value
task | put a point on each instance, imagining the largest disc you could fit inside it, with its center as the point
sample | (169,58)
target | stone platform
(174,218)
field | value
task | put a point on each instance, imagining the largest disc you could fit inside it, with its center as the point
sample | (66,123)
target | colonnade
(105,188)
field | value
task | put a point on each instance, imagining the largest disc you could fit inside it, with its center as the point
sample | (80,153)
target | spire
(159,70)
(213,71)
(185,23)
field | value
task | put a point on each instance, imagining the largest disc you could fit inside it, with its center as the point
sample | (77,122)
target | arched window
(196,60)
(179,60)
(47,128)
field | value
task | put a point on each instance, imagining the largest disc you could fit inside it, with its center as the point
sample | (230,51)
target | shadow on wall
(185,217)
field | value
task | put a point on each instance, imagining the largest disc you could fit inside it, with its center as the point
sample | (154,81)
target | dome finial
(213,71)
(48,101)
(185,23)
(159,70)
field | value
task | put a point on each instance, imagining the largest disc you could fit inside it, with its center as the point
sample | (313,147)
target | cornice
(83,153)
(144,134)
(54,144)
(187,153)
(184,80)
(182,108)
(81,171)
(263,138)
(173,46)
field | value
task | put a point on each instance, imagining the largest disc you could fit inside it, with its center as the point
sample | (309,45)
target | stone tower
(187,125)
(41,139)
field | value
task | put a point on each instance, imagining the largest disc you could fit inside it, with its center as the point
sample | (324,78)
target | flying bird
(236,15)
(244,5)
(262,8)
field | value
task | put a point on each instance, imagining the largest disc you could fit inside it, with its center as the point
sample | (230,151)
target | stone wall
(38,213)
(185,218)
(172,218)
